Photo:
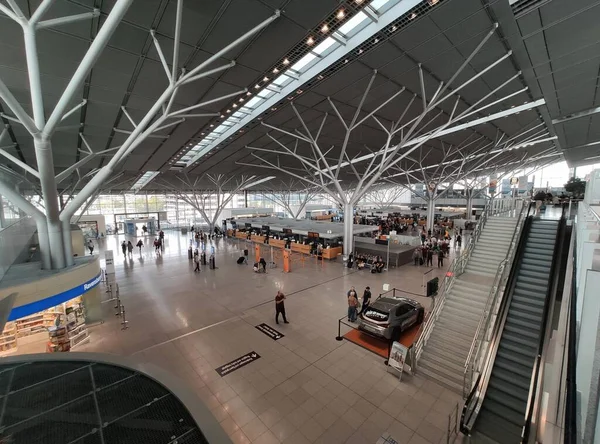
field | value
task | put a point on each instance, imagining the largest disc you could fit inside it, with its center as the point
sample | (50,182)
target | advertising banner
(397,357)
(110,266)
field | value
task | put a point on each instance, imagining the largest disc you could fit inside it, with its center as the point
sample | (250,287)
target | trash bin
(190,253)
(212,262)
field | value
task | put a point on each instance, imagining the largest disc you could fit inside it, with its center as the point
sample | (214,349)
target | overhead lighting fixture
(286,62)
(248,93)
(345,61)
(310,41)
(228,111)
(360,51)
(433,2)
(299,91)
(275,70)
(340,14)
(212,125)
(265,79)
(325,29)
(241,99)
(413,15)
(320,77)
(234,105)
(273,109)
(258,182)
(256,86)
(394,28)
(358,2)
(376,41)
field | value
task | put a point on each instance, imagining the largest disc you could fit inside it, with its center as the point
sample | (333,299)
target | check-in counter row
(328,253)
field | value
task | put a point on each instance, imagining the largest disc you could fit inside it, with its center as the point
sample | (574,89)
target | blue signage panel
(53,301)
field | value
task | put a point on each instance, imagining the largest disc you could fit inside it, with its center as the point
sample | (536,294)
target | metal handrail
(488,311)
(458,266)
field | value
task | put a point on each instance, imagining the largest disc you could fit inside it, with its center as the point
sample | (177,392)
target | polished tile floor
(305,387)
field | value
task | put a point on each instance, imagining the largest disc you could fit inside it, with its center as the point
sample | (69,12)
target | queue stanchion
(124,321)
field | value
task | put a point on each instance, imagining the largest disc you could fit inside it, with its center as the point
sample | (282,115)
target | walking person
(440,254)
(140,244)
(280,307)
(352,304)
(246,256)
(124,248)
(90,245)
(197,261)
(130,248)
(366,300)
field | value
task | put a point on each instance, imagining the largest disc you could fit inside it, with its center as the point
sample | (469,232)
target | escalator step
(527,307)
(512,361)
(497,429)
(525,332)
(526,316)
(522,299)
(501,376)
(528,286)
(508,398)
(503,412)
(520,349)
(518,323)
(517,340)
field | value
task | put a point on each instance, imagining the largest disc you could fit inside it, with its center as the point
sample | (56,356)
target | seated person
(379,265)
(360,263)
(263,264)
(256,267)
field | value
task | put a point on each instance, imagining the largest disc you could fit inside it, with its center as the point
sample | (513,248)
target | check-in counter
(277,243)
(300,248)
(257,238)
(332,253)
(240,235)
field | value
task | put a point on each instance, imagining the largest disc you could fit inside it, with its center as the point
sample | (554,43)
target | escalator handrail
(534,389)
(570,422)
(475,399)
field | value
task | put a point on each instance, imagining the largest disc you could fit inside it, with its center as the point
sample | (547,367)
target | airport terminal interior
(299,221)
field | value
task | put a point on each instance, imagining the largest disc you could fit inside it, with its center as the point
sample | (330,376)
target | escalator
(500,407)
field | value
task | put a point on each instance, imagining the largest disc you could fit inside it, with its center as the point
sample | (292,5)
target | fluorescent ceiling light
(266,179)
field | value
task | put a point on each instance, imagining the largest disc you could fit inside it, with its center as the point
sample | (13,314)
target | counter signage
(287,231)
(238,363)
(313,235)
(110,266)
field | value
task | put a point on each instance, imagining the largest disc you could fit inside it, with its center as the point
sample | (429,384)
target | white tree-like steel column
(222,189)
(292,191)
(321,166)
(54,225)
(385,196)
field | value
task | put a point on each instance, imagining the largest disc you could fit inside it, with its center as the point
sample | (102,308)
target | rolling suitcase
(240,260)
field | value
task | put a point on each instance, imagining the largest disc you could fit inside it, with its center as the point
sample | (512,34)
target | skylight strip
(353,42)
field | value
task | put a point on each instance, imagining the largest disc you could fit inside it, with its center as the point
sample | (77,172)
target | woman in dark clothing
(280,307)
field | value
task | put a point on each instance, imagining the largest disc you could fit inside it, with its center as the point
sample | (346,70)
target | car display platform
(379,346)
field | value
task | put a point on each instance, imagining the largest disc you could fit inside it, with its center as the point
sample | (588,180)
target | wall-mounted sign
(514,181)
(313,235)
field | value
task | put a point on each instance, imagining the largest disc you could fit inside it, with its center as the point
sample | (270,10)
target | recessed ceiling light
(340,14)
(211,125)
(248,93)
(274,109)
(241,99)
(234,105)
(228,111)
(286,62)
(256,86)
(299,91)
(222,116)
(376,41)
(324,28)
(310,41)
(346,61)
(433,2)
(320,77)
(275,70)
(413,15)
(360,51)
(394,28)
(265,79)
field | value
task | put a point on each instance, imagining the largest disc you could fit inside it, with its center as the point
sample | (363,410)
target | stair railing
(458,266)
(472,363)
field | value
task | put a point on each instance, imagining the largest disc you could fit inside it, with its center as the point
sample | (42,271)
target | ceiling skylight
(290,78)
(144,180)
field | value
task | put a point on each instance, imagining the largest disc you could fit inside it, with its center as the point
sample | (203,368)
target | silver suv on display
(387,313)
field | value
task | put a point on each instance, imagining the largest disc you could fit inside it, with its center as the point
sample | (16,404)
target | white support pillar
(469,196)
(430,213)
(348,229)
